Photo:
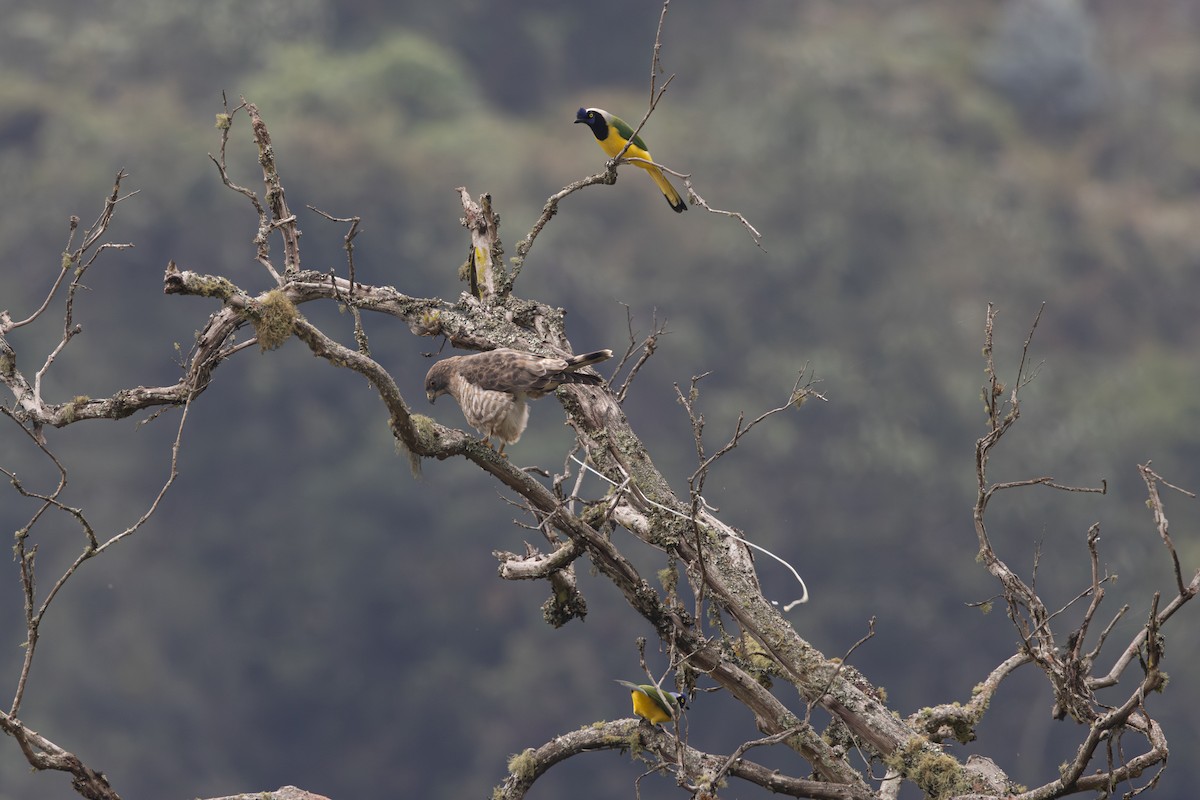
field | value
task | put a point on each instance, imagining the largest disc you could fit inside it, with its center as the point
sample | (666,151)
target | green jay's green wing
(626,132)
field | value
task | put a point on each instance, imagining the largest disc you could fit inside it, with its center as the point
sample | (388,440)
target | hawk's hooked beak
(431,397)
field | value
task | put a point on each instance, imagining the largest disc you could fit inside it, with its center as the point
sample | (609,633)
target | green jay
(653,704)
(613,133)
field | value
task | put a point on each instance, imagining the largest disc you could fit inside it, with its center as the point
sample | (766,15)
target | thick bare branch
(41,753)
(691,767)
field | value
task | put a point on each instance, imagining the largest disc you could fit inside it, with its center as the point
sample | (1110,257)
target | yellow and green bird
(613,133)
(653,704)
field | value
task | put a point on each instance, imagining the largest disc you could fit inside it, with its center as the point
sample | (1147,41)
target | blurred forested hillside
(301,610)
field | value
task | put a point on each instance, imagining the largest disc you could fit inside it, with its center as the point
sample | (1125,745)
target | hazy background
(301,610)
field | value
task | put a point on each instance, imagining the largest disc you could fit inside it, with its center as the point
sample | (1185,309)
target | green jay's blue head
(595,119)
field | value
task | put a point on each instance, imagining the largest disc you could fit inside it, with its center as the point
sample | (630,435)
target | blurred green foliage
(302,611)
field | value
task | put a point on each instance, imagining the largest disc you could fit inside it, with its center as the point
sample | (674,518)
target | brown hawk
(491,388)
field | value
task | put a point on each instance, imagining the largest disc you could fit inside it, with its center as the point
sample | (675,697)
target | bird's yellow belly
(649,710)
(615,144)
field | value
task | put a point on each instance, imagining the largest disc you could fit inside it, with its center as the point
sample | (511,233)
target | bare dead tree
(866,751)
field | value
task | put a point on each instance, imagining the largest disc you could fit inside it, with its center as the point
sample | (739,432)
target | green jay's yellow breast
(648,709)
(613,144)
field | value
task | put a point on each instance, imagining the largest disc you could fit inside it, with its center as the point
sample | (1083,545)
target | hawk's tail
(585,360)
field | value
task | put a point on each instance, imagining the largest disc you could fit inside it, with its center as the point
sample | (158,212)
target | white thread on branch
(621,487)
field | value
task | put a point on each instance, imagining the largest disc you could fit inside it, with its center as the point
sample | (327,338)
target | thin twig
(263,235)
(69,259)
(360,333)
(647,346)
(1152,479)
(91,237)
(801,391)
(841,664)
(744,747)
